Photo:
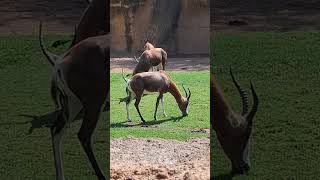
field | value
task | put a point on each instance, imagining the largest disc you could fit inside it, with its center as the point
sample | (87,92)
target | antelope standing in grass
(150,58)
(233,130)
(80,82)
(152,82)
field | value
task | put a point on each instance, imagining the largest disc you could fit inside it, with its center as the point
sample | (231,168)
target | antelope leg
(157,104)
(162,105)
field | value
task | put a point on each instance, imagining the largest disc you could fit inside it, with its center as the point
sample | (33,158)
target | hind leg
(57,132)
(162,105)
(88,126)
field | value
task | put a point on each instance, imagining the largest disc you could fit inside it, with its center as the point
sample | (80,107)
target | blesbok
(153,82)
(150,58)
(80,82)
(233,130)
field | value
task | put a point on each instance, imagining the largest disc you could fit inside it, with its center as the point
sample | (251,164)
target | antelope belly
(148,92)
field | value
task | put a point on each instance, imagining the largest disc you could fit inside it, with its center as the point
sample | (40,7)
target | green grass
(164,127)
(25,81)
(285,68)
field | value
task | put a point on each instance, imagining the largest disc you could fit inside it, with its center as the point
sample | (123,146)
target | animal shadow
(125,124)
(46,120)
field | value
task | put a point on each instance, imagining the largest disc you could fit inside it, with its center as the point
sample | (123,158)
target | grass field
(165,127)
(25,154)
(285,68)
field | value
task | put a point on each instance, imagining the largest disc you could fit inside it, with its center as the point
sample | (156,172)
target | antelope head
(233,130)
(184,106)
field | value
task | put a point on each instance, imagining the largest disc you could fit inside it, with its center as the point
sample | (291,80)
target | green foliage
(285,69)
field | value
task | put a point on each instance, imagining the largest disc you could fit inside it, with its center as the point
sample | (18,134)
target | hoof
(144,125)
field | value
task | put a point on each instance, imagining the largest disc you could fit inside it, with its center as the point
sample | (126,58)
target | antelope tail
(124,77)
(50,56)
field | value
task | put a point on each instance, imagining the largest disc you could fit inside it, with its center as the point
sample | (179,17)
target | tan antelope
(233,130)
(150,58)
(79,82)
(80,79)
(94,21)
(154,82)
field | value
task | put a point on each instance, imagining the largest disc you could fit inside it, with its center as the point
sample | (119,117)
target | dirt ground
(136,158)
(174,64)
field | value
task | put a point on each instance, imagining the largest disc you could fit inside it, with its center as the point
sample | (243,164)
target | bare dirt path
(174,64)
(137,158)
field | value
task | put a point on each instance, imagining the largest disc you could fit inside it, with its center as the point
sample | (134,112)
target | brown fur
(148,46)
(150,58)
(156,82)
(85,70)
(233,130)
(94,21)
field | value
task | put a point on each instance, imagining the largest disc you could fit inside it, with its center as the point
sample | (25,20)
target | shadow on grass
(46,120)
(125,124)
(226,176)
(41,121)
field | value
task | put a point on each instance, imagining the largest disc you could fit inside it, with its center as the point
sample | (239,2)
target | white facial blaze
(246,153)
(187,110)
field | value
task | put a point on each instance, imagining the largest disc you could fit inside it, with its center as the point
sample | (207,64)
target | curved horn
(243,95)
(73,42)
(189,94)
(50,56)
(124,77)
(135,58)
(254,109)
(185,91)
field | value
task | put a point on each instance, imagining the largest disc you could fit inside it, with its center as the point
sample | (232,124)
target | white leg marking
(162,105)
(56,142)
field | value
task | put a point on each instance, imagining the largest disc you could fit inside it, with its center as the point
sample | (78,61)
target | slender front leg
(88,126)
(136,104)
(128,100)
(163,109)
(157,104)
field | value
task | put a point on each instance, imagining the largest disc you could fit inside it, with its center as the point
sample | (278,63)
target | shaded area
(23,16)
(265,15)
(45,120)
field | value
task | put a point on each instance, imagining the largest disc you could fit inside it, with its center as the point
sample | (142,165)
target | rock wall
(181,27)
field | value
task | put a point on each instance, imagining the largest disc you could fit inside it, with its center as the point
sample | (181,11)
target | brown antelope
(152,82)
(233,130)
(150,58)
(79,82)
